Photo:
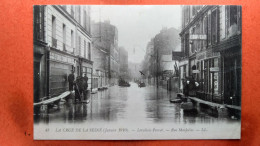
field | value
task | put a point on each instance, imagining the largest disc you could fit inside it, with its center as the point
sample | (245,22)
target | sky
(138,24)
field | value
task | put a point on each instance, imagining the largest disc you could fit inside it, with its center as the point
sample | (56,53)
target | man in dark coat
(79,87)
(71,79)
(85,92)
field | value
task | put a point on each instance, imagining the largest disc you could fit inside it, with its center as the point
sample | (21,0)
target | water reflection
(127,104)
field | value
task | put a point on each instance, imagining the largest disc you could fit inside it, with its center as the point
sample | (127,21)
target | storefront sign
(210,54)
(61,58)
(201,56)
(195,71)
(198,37)
(183,62)
(214,69)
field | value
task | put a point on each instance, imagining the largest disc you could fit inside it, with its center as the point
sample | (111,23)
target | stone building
(123,63)
(158,63)
(211,42)
(107,38)
(68,41)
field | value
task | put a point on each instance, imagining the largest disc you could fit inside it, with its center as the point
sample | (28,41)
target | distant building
(107,38)
(123,61)
(165,43)
(211,42)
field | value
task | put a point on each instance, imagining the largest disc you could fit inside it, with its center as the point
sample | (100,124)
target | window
(233,15)
(204,31)
(214,22)
(53,31)
(79,46)
(72,11)
(89,51)
(64,7)
(53,27)
(186,47)
(79,12)
(64,36)
(209,28)
(85,49)
(85,20)
(64,33)
(72,39)
(38,22)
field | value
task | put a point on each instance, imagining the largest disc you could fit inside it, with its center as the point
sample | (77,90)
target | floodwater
(127,104)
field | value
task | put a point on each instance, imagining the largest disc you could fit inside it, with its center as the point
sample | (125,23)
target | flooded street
(126,104)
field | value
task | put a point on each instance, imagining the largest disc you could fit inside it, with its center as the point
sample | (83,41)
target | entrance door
(36,80)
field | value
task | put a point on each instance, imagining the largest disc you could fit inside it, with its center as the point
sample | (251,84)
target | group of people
(80,86)
(190,86)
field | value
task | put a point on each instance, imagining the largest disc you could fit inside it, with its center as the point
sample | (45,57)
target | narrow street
(126,104)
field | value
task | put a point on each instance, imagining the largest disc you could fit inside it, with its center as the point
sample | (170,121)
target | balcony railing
(54,42)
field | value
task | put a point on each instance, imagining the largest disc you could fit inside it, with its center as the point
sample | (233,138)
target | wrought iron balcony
(54,42)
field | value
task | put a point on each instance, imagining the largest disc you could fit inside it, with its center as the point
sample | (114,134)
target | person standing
(79,88)
(85,92)
(71,79)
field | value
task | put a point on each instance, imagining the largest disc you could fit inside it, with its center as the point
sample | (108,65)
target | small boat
(142,84)
(186,106)
(123,83)
(176,100)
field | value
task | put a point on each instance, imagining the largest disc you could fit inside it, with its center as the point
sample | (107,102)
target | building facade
(123,63)
(100,66)
(40,55)
(211,44)
(107,38)
(68,40)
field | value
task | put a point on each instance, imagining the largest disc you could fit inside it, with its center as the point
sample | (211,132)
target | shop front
(87,68)
(232,76)
(183,64)
(61,64)
(207,74)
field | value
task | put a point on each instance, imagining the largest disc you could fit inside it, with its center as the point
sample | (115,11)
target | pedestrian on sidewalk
(71,79)
(85,92)
(79,88)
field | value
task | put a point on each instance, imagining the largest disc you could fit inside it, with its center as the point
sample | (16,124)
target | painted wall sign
(61,58)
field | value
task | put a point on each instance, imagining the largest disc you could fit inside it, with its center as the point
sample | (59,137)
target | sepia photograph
(137,72)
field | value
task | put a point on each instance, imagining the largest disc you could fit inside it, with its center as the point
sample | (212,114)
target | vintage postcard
(114,72)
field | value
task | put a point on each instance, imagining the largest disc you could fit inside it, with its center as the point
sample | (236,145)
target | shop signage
(198,37)
(214,69)
(61,58)
(184,62)
(195,71)
(212,54)
(201,56)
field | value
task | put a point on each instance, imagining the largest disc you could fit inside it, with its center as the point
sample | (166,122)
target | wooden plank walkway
(51,100)
(215,104)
